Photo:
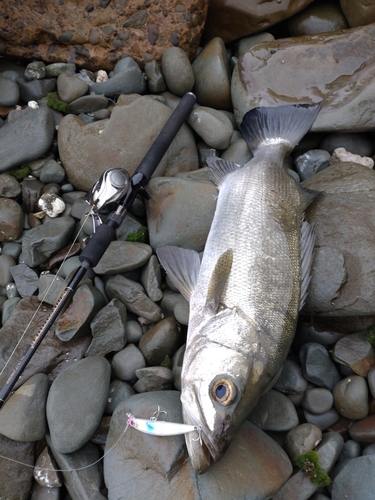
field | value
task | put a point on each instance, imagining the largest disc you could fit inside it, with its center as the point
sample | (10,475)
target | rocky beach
(86,89)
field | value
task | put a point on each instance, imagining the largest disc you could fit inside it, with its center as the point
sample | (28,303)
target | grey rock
(11,220)
(368,450)
(9,92)
(238,151)
(177,71)
(102,114)
(11,290)
(356,481)
(291,380)
(169,301)
(126,362)
(324,420)
(32,189)
(356,143)
(118,392)
(76,403)
(9,186)
(50,287)
(129,81)
(69,87)
(312,162)
(317,400)
(133,296)
(274,412)
(23,417)
(48,478)
(317,332)
(26,279)
(7,308)
(42,241)
(351,449)
(363,430)
(204,151)
(12,249)
(16,480)
(108,329)
(213,126)
(36,70)
(35,90)
(123,256)
(371,381)
(355,352)
(26,138)
(151,279)
(154,378)
(155,79)
(88,104)
(301,439)
(351,397)
(249,41)
(39,492)
(52,172)
(6,262)
(317,366)
(55,69)
(133,331)
(75,321)
(128,226)
(181,311)
(161,340)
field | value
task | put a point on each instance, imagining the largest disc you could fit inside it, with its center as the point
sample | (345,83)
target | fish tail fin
(283,124)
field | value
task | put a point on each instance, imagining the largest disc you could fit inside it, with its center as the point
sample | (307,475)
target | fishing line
(44,296)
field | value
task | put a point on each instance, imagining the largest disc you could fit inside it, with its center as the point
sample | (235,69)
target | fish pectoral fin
(307,196)
(218,280)
(218,169)
(182,266)
(307,248)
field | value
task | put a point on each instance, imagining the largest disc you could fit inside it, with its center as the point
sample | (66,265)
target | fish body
(246,293)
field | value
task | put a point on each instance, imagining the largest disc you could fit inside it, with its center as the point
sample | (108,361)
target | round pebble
(351,397)
(317,400)
(126,362)
(301,439)
(177,71)
(274,412)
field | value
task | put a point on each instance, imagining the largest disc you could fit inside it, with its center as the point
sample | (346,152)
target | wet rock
(151,279)
(89,104)
(87,150)
(363,431)
(177,71)
(126,362)
(317,366)
(47,478)
(356,481)
(134,331)
(274,412)
(279,73)
(181,311)
(9,186)
(355,352)
(301,439)
(69,87)
(26,279)
(123,256)
(212,78)
(351,397)
(162,339)
(291,380)
(36,70)
(320,17)
(9,92)
(6,263)
(155,79)
(351,449)
(108,329)
(312,162)
(55,69)
(11,220)
(74,322)
(323,420)
(35,90)
(154,378)
(212,126)
(16,478)
(50,287)
(52,172)
(129,81)
(318,400)
(180,212)
(358,12)
(118,392)
(73,415)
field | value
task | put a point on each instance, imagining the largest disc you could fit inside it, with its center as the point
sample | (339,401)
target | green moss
(370,335)
(20,172)
(54,102)
(310,466)
(141,235)
(167,362)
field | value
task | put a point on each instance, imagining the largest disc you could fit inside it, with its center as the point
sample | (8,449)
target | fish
(246,292)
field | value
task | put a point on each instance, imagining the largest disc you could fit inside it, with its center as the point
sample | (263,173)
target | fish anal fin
(307,196)
(219,280)
(182,266)
(307,248)
(218,169)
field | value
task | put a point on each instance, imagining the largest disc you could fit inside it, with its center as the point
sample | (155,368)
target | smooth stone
(155,79)
(212,126)
(177,361)
(356,143)
(123,256)
(70,266)
(118,392)
(16,477)
(151,279)
(177,71)
(371,381)
(249,459)
(312,162)
(154,378)
(356,481)
(73,415)
(247,42)
(88,104)
(318,332)
(161,340)
(317,366)
(363,430)
(180,211)
(26,279)
(323,420)
(7,308)
(301,439)
(169,301)
(75,321)
(133,331)
(274,412)
(368,450)
(86,151)
(23,416)
(204,151)
(70,88)
(212,77)
(6,263)
(82,479)
(358,12)
(9,186)
(11,220)
(12,249)
(42,241)
(52,172)
(102,114)
(39,492)
(129,226)
(133,296)
(181,311)
(355,352)
(126,362)
(279,73)
(351,397)
(9,92)
(36,70)
(55,69)
(35,90)
(108,329)
(129,81)
(291,380)
(238,151)
(317,18)
(47,478)
(317,400)
(351,449)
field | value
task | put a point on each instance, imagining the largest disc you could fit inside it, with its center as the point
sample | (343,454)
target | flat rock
(123,256)
(356,481)
(355,352)
(86,150)
(317,366)
(274,412)
(16,478)
(162,339)
(279,72)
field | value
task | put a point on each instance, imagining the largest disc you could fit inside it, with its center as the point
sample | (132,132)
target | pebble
(342,155)
(154,378)
(301,439)
(161,340)
(36,70)
(70,88)
(371,381)
(126,362)
(291,380)
(118,392)
(155,78)
(312,162)
(6,263)
(212,126)
(51,204)
(368,450)
(318,400)
(356,481)
(351,449)
(35,90)
(151,279)
(317,18)
(274,412)
(11,220)
(123,256)
(9,186)
(351,397)
(73,416)
(181,311)
(355,352)
(317,366)
(7,308)
(55,69)
(9,92)
(26,279)
(323,420)
(89,104)
(133,331)
(46,478)
(129,81)
(363,430)
(177,71)
(52,172)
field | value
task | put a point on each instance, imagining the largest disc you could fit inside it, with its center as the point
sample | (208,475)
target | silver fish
(246,293)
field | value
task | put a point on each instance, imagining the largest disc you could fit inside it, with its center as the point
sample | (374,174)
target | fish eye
(224,391)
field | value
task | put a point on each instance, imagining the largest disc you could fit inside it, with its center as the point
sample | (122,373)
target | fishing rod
(114,186)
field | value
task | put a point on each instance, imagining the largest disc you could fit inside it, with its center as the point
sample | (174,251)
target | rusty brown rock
(358,12)
(235,19)
(97,37)
(363,431)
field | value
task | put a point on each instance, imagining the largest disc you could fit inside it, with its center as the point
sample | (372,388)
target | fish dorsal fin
(218,280)
(218,169)
(182,266)
(307,196)
(307,247)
